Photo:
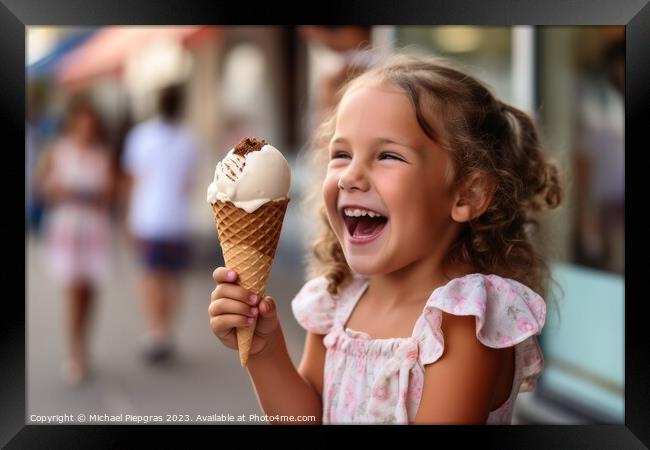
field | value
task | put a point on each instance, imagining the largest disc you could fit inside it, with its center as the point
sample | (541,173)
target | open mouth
(363,225)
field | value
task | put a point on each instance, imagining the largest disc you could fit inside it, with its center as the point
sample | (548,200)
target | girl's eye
(340,154)
(391,156)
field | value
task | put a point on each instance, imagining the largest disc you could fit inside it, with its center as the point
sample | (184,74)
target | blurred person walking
(159,161)
(75,180)
(599,162)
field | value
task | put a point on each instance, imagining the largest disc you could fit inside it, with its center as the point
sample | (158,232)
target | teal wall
(584,347)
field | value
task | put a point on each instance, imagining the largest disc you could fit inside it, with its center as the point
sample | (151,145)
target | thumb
(268,319)
(268,309)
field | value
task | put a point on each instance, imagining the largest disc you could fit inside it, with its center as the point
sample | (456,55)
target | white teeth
(350,212)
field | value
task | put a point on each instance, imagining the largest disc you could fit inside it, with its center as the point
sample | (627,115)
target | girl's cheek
(329,195)
(330,186)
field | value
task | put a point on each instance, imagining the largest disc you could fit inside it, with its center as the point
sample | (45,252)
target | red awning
(106,52)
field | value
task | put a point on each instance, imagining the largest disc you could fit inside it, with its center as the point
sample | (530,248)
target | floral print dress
(78,231)
(380,380)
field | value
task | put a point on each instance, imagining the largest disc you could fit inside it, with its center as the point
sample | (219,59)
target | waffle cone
(248,242)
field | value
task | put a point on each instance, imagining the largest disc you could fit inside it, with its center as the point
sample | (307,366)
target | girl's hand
(231,306)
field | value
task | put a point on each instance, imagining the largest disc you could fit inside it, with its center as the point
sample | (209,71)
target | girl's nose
(354,177)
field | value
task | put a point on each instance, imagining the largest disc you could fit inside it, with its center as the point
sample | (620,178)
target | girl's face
(83,126)
(386,190)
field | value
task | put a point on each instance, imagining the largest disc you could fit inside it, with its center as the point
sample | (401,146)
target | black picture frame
(15,15)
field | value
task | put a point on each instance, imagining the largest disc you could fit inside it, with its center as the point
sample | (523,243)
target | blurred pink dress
(381,380)
(78,230)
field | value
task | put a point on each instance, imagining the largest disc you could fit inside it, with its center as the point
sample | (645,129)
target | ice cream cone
(248,242)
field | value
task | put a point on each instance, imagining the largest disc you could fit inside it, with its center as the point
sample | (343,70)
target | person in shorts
(159,161)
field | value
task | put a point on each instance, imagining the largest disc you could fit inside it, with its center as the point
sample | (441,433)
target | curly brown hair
(482,135)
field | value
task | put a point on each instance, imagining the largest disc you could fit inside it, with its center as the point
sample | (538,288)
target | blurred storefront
(125,67)
(240,81)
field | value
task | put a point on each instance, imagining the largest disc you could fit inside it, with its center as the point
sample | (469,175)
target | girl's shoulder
(316,309)
(488,296)
(506,313)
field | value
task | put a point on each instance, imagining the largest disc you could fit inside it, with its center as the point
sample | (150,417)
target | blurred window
(483,51)
(249,84)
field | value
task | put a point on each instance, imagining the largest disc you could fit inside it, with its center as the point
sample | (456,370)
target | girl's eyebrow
(380,140)
(392,141)
(341,140)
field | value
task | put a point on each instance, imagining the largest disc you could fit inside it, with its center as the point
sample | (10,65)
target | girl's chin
(364,265)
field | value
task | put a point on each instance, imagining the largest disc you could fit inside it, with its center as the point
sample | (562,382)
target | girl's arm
(280,388)
(109,194)
(459,388)
(283,390)
(313,362)
(44,184)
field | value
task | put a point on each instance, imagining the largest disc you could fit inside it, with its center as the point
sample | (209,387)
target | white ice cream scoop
(250,175)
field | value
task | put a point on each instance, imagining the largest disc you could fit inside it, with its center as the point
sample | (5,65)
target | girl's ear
(472,197)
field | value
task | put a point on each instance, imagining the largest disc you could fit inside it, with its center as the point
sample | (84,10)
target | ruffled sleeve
(313,307)
(507,313)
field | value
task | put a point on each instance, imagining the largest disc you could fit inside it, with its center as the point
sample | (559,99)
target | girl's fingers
(267,306)
(268,317)
(229,306)
(230,335)
(234,291)
(224,275)
(224,322)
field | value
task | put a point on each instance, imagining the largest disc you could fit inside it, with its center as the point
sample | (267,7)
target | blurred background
(276,82)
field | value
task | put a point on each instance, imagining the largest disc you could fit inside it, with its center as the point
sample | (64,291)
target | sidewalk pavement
(205,377)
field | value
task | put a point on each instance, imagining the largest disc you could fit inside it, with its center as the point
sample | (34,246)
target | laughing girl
(427,293)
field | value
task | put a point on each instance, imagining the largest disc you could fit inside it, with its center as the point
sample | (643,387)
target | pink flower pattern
(412,355)
(504,341)
(524,325)
(380,392)
(369,380)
